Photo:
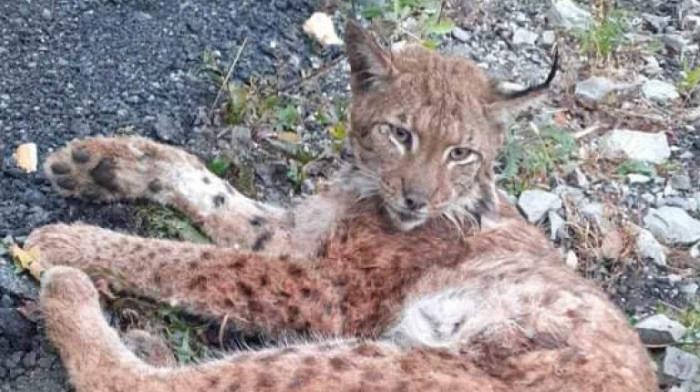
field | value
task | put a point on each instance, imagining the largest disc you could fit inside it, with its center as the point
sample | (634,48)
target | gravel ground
(76,68)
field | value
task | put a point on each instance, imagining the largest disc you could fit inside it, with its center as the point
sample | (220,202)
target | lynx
(409,272)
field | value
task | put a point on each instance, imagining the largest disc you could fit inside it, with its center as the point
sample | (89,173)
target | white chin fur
(404,225)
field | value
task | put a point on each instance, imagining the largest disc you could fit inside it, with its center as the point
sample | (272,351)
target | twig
(325,69)
(228,76)
(442,6)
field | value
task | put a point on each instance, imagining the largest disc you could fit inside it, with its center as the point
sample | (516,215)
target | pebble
(672,225)
(678,365)
(630,144)
(536,203)
(568,15)
(524,37)
(659,91)
(659,331)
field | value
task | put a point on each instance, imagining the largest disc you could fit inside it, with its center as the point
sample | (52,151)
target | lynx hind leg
(108,169)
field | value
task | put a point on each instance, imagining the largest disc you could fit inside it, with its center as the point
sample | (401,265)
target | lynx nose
(414,201)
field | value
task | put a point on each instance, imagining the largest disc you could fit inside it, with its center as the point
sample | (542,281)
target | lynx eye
(402,135)
(461,155)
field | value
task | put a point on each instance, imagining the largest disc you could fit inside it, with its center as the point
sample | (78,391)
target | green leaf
(637,167)
(444,26)
(287,117)
(430,44)
(219,166)
(189,233)
(372,12)
(339,131)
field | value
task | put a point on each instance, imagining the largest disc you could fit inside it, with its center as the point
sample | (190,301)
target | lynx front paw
(107,169)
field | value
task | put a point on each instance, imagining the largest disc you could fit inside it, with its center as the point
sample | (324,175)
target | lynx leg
(98,362)
(258,293)
(109,169)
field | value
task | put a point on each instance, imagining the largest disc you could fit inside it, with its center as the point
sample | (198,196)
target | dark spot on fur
(308,360)
(257,221)
(206,255)
(228,303)
(368,350)
(206,180)
(266,380)
(80,156)
(234,387)
(67,183)
(401,386)
(268,359)
(284,257)
(219,200)
(91,193)
(155,186)
(339,364)
(240,264)
(192,265)
(197,283)
(157,278)
(151,255)
(264,280)
(60,168)
(255,306)
(245,289)
(103,174)
(295,271)
(261,241)
(213,381)
(305,292)
(294,313)
(371,375)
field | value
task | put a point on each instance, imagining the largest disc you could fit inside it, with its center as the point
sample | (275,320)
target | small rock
(649,248)
(524,37)
(659,331)
(548,38)
(461,34)
(573,195)
(46,14)
(651,66)
(634,178)
(594,89)
(678,365)
(593,212)
(672,225)
(681,182)
(676,42)
(556,225)
(571,260)
(166,128)
(692,115)
(578,178)
(320,27)
(536,203)
(566,14)
(695,251)
(656,23)
(679,202)
(690,289)
(659,91)
(641,146)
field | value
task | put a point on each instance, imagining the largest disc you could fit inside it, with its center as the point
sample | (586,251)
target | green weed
(636,167)
(164,222)
(602,41)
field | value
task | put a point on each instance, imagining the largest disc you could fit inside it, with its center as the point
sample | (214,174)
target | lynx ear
(370,66)
(506,106)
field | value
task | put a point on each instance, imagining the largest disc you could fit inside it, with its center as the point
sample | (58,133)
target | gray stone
(659,331)
(695,251)
(692,115)
(634,178)
(649,248)
(548,38)
(651,66)
(166,128)
(568,15)
(594,89)
(678,365)
(672,225)
(690,289)
(524,37)
(578,178)
(572,194)
(536,203)
(641,146)
(557,226)
(676,42)
(593,212)
(674,201)
(681,182)
(659,91)
(461,34)
(657,23)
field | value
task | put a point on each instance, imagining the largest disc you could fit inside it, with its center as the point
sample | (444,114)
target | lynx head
(425,131)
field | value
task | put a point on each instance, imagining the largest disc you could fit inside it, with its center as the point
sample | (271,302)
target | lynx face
(425,131)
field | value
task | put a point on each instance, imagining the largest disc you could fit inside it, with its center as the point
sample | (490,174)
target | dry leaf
(27,260)
(320,27)
(289,137)
(26,157)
